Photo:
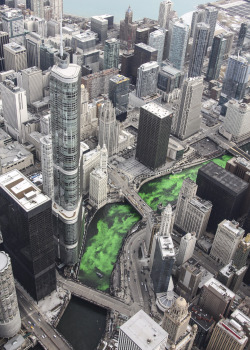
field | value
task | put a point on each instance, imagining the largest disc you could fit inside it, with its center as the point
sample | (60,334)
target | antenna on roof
(61,39)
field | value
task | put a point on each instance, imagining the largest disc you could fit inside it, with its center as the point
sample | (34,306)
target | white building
(226,241)
(167,221)
(14,156)
(14,104)
(15,56)
(57,8)
(13,24)
(47,165)
(141,332)
(164,13)
(98,188)
(157,41)
(32,82)
(146,82)
(186,248)
(187,192)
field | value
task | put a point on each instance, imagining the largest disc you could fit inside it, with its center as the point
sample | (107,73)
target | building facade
(47,165)
(98,188)
(111,53)
(164,13)
(15,56)
(186,248)
(179,38)
(216,57)
(147,79)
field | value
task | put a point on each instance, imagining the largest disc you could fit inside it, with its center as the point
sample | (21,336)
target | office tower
(187,120)
(226,241)
(236,124)
(128,30)
(126,64)
(26,225)
(179,38)
(108,127)
(205,325)
(57,8)
(141,332)
(236,77)
(176,320)
(99,25)
(157,41)
(10,320)
(147,79)
(164,13)
(163,261)
(15,56)
(98,83)
(33,42)
(186,248)
(47,56)
(211,14)
(47,165)
(167,221)
(85,41)
(4,39)
(119,95)
(216,299)
(65,96)
(227,335)
(98,188)
(216,57)
(13,24)
(142,35)
(169,79)
(199,49)
(197,16)
(189,279)
(32,82)
(142,54)
(153,135)
(242,252)
(37,7)
(111,53)
(229,36)
(14,106)
(232,277)
(225,190)
(187,192)
(244,30)
(53,28)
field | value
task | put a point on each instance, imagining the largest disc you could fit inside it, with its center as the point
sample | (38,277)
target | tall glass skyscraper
(216,57)
(65,92)
(179,39)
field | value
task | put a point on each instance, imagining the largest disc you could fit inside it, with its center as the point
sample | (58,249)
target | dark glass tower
(4,39)
(216,57)
(26,225)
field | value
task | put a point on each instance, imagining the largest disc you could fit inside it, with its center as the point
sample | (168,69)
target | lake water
(140,8)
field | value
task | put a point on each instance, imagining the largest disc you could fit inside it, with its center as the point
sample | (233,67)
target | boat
(99,274)
(178,171)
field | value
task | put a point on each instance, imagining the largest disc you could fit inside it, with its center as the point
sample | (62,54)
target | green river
(112,222)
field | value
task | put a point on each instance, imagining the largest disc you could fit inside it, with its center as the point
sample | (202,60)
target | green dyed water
(166,189)
(104,239)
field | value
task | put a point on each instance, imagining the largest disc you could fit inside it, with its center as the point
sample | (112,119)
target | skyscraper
(197,16)
(65,96)
(26,225)
(99,25)
(119,95)
(199,49)
(10,320)
(186,248)
(47,165)
(32,82)
(13,24)
(164,13)
(57,8)
(244,30)
(111,53)
(216,57)
(179,39)
(147,79)
(157,41)
(37,6)
(143,53)
(236,77)
(4,39)
(211,14)
(167,221)
(187,120)
(98,188)
(153,135)
(15,56)
(242,252)
(128,30)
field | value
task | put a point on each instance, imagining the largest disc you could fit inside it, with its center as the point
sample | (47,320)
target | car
(29,322)
(30,308)
(142,283)
(39,320)
(43,336)
(54,335)
(31,327)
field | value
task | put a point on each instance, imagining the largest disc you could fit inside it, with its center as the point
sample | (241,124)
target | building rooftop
(22,190)
(201,318)
(227,180)
(233,329)
(119,78)
(219,287)
(193,266)
(157,110)
(144,331)
(201,204)
(14,47)
(167,247)
(146,47)
(71,73)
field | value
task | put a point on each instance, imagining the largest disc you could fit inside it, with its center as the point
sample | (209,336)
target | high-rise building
(37,6)
(111,53)
(10,320)
(211,14)
(236,125)
(33,42)
(47,56)
(57,8)
(98,188)
(216,299)
(169,79)
(186,248)
(47,165)
(242,252)
(108,127)
(199,49)
(15,56)
(205,325)
(216,57)
(164,13)
(227,335)
(226,241)
(232,277)
(65,98)
(128,30)
(225,190)
(14,106)
(236,77)
(187,120)
(119,94)
(187,192)
(32,82)
(153,135)
(197,16)
(4,39)
(244,30)
(147,79)
(157,41)
(99,25)
(179,38)
(143,53)
(26,225)
(141,332)
(13,24)
(229,36)
(167,221)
